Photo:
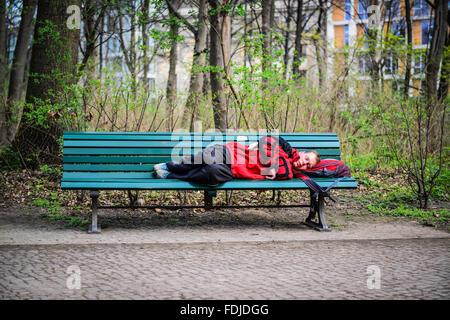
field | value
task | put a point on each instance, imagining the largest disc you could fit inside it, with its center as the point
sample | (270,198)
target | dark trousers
(210,166)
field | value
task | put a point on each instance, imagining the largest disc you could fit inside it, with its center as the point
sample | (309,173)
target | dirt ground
(19,225)
(27,201)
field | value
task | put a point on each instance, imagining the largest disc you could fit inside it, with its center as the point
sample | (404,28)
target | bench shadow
(275,218)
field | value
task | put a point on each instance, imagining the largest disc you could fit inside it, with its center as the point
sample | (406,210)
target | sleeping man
(270,158)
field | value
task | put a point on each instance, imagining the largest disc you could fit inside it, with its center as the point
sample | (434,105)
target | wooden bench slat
(179,144)
(107,167)
(193,138)
(157,184)
(99,133)
(108,175)
(124,159)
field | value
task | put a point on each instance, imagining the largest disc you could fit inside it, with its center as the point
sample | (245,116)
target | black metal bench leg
(209,199)
(94,228)
(317,207)
(321,214)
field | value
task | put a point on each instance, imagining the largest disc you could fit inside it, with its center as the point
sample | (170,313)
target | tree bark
(216,63)
(320,42)
(90,33)
(52,70)
(445,71)
(198,62)
(13,109)
(409,48)
(3,59)
(298,42)
(267,7)
(144,23)
(171,90)
(434,58)
(435,53)
(286,37)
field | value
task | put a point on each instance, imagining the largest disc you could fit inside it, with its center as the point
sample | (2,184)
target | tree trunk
(216,62)
(90,33)
(144,22)
(436,50)
(286,38)
(171,91)
(267,7)
(3,74)
(409,48)
(13,107)
(52,71)
(320,41)
(226,41)
(434,59)
(3,59)
(298,42)
(445,70)
(198,62)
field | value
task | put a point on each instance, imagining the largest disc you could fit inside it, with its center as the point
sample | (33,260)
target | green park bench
(98,161)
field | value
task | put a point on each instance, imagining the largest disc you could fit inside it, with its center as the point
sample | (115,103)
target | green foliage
(392,200)
(53,212)
(9,159)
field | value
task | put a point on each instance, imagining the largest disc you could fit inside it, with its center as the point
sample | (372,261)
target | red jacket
(247,163)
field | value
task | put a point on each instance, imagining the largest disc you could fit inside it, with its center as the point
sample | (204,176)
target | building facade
(349,24)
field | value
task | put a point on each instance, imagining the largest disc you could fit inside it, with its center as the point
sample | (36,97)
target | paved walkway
(365,260)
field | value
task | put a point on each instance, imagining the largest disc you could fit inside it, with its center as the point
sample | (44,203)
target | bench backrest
(132,154)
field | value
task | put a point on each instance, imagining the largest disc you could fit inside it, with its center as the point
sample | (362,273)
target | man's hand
(270,173)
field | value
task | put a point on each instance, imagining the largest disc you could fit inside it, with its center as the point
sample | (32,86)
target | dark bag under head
(327,168)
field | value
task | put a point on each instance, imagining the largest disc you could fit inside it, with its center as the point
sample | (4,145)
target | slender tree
(298,41)
(3,61)
(200,32)
(434,57)
(12,109)
(409,44)
(217,65)
(267,6)
(171,89)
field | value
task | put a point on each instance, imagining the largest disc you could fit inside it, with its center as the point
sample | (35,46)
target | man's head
(306,160)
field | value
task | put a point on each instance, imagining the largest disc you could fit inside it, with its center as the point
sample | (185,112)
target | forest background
(251,65)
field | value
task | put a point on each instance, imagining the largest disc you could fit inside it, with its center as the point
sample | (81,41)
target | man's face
(305,162)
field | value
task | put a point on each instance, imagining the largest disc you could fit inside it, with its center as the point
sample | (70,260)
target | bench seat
(98,161)
(173,184)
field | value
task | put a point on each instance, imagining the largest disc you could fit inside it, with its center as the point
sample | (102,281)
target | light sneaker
(162,174)
(160,166)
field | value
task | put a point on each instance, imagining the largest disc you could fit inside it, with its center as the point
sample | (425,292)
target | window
(427,29)
(346,35)
(151,84)
(419,62)
(392,8)
(390,65)
(348,9)
(398,29)
(420,8)
(364,64)
(362,9)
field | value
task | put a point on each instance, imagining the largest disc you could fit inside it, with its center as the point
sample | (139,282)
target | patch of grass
(400,202)
(54,212)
